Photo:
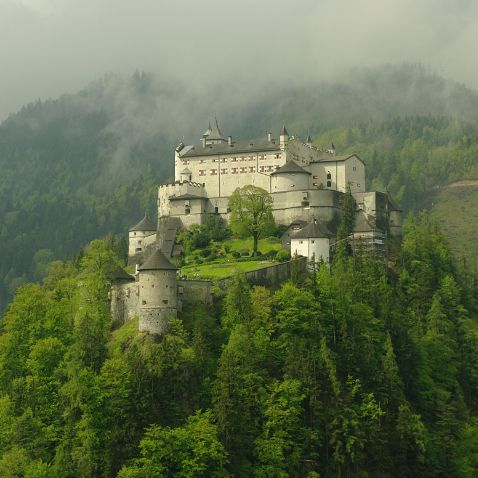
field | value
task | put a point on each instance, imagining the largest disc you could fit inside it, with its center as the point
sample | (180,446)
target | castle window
(223,160)
(312,241)
(216,210)
(354,168)
(228,210)
(143,302)
(134,233)
(261,169)
(252,169)
(215,160)
(213,172)
(242,170)
(329,176)
(224,171)
(202,172)
(138,249)
(234,170)
(301,242)
(202,161)
(329,184)
(187,210)
(152,285)
(276,156)
(233,159)
(165,301)
(139,242)
(315,177)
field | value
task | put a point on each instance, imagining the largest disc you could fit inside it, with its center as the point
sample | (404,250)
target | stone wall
(270,275)
(124,298)
(194,291)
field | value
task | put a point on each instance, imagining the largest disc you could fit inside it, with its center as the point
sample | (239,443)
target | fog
(49,47)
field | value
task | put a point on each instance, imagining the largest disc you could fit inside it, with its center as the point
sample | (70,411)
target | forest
(366,368)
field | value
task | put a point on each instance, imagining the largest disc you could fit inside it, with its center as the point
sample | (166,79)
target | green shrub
(235,254)
(244,252)
(206,252)
(283,255)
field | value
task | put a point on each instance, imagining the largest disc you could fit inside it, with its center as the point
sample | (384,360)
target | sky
(51,47)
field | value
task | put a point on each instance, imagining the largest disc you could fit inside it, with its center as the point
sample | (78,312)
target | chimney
(269,136)
(203,140)
(229,140)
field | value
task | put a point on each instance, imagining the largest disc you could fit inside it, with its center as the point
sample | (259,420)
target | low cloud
(53,46)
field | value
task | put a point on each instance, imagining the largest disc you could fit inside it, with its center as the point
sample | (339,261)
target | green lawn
(265,245)
(220,270)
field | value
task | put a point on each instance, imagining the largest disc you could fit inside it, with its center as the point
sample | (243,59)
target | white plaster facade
(315,249)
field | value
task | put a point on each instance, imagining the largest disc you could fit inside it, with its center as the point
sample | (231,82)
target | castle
(306,185)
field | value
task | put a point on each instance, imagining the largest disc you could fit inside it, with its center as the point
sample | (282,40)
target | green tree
(191,451)
(251,213)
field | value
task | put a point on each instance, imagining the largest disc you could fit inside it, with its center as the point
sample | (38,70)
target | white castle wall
(138,240)
(317,249)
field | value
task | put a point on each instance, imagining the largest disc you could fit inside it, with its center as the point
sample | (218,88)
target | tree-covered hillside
(363,369)
(87,164)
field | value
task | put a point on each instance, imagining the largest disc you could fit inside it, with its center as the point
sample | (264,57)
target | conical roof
(290,167)
(157,261)
(215,132)
(208,131)
(284,131)
(312,230)
(144,225)
(121,275)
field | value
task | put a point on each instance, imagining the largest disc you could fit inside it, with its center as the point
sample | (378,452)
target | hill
(86,164)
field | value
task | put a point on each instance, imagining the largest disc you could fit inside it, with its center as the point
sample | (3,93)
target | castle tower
(283,139)
(313,242)
(157,294)
(137,239)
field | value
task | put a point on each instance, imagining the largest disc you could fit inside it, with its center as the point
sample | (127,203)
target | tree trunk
(256,241)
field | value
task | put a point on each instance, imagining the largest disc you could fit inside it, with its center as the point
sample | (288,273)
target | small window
(216,210)
(152,285)
(354,168)
(138,249)
(187,210)
(312,241)
(301,242)
(165,301)
(144,302)
(228,210)
(329,184)
(329,176)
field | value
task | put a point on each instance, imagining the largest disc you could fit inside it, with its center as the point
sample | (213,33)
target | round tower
(157,294)
(289,177)
(136,237)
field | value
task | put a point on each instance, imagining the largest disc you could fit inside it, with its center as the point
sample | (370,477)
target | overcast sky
(49,47)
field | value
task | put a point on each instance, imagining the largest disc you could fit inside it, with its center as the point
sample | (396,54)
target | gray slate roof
(290,167)
(121,275)
(214,132)
(284,131)
(312,230)
(237,147)
(326,157)
(157,261)
(186,196)
(144,225)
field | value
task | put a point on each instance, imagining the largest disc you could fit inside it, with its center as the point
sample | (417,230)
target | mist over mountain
(86,164)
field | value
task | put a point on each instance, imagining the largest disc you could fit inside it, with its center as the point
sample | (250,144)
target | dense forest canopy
(365,368)
(87,164)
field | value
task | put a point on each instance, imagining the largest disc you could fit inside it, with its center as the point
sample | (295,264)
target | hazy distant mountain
(86,164)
